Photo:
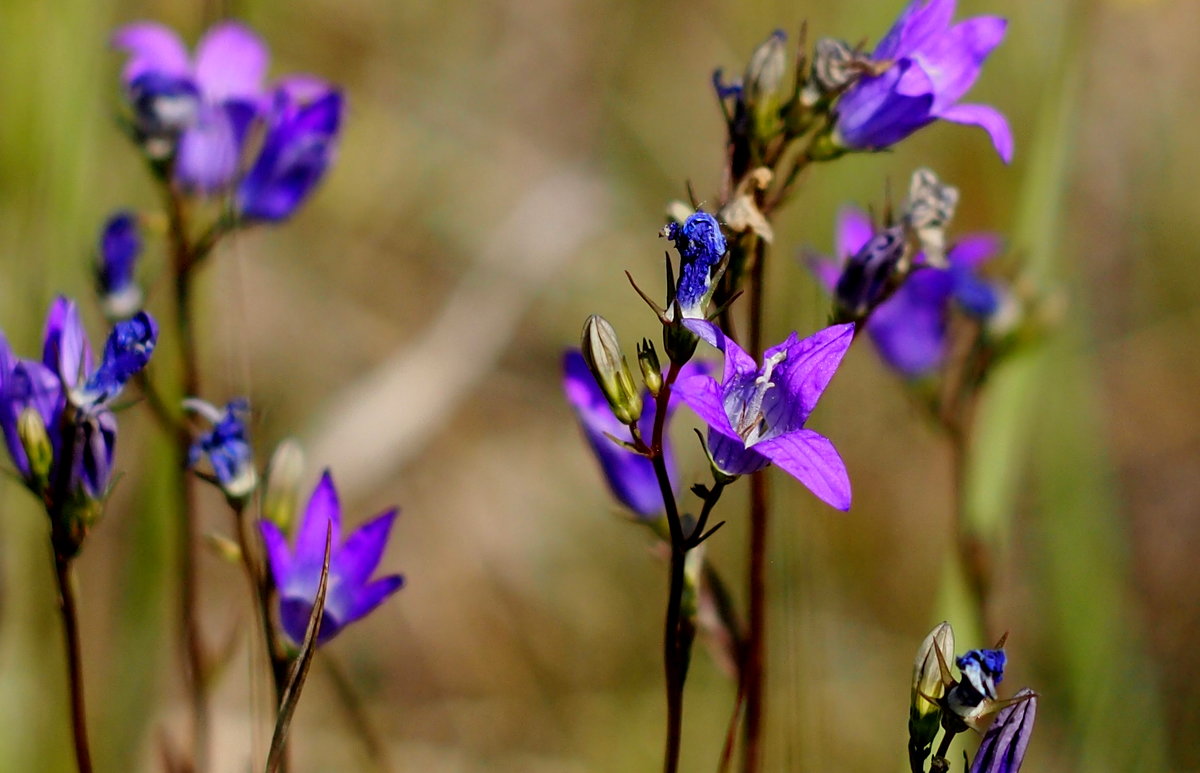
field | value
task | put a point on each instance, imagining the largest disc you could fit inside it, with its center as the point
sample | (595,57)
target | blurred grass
(527,638)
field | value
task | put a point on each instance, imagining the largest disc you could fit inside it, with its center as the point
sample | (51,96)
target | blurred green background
(503,162)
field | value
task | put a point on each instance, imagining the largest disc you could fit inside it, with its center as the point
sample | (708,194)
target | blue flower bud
(227,447)
(126,352)
(120,246)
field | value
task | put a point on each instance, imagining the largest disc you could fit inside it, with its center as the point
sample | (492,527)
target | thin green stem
(70,618)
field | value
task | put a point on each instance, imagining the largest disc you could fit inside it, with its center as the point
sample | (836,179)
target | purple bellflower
(120,246)
(927,67)
(226,447)
(701,246)
(200,107)
(909,328)
(351,593)
(55,414)
(1003,747)
(756,415)
(629,475)
(301,139)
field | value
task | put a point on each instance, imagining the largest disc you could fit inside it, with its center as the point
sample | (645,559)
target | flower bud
(602,352)
(119,247)
(163,107)
(1003,747)
(282,496)
(763,83)
(927,682)
(38,449)
(648,362)
(833,68)
(868,274)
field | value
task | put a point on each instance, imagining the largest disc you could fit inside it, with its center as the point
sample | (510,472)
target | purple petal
(916,25)
(373,595)
(973,250)
(731,455)
(230,62)
(151,47)
(66,349)
(953,59)
(909,329)
(303,89)
(704,396)
(811,459)
(854,230)
(1004,745)
(361,552)
(826,269)
(323,509)
(807,370)
(990,120)
(208,155)
(872,115)
(737,361)
(278,555)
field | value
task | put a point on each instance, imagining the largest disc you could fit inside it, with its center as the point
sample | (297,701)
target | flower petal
(66,349)
(209,151)
(373,595)
(973,250)
(706,399)
(731,455)
(854,230)
(360,554)
(231,61)
(323,509)
(151,47)
(987,118)
(917,24)
(278,555)
(909,329)
(807,370)
(953,59)
(810,458)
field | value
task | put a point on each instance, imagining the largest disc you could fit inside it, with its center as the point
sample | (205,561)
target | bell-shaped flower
(926,65)
(756,414)
(301,139)
(226,447)
(200,108)
(1004,744)
(909,328)
(351,592)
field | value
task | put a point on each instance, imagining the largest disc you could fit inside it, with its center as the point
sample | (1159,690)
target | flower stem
(754,672)
(66,604)
(182,262)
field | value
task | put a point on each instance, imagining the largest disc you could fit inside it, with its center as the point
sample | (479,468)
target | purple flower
(1003,747)
(299,146)
(701,246)
(200,108)
(929,66)
(120,245)
(58,407)
(756,415)
(226,446)
(351,593)
(909,328)
(630,475)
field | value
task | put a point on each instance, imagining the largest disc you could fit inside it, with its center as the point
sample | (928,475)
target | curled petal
(990,120)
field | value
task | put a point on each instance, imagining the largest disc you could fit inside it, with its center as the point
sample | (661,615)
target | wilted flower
(756,414)
(630,475)
(1004,745)
(301,138)
(226,446)
(981,671)
(927,66)
(120,245)
(351,593)
(909,328)
(701,246)
(198,109)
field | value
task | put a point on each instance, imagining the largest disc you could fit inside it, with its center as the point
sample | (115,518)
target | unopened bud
(602,352)
(763,83)
(929,210)
(651,370)
(927,683)
(38,448)
(282,496)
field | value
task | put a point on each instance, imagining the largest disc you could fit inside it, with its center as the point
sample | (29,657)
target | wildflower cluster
(901,280)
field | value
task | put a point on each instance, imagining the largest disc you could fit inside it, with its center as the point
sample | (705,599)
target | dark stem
(182,262)
(754,672)
(66,605)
